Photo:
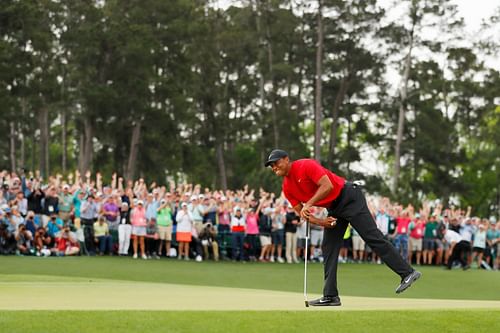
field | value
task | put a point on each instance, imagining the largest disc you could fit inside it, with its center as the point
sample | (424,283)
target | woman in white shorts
(138,221)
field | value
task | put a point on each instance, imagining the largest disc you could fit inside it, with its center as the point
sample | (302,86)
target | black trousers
(350,207)
(88,233)
(460,250)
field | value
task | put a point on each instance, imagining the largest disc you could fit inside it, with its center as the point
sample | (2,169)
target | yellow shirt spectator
(101,229)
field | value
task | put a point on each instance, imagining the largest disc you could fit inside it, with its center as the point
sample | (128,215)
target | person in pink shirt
(224,216)
(417,228)
(138,221)
(252,221)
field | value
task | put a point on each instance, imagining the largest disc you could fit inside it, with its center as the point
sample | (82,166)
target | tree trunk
(81,152)
(222,166)
(260,59)
(401,118)
(87,146)
(63,141)
(339,99)
(319,73)
(349,139)
(33,151)
(22,142)
(270,60)
(43,120)
(134,150)
(12,136)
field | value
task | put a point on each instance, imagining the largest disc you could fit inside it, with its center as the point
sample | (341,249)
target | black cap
(275,155)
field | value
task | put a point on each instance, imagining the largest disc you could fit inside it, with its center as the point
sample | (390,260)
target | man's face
(281,166)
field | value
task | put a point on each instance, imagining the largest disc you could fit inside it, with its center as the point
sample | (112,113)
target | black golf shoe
(407,281)
(326,301)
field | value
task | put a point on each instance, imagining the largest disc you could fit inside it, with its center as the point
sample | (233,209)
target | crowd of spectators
(80,215)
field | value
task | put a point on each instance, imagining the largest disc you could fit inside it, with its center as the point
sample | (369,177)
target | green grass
(354,280)
(272,321)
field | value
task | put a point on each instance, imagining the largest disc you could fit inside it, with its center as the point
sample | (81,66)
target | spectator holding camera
(24,241)
(43,242)
(55,225)
(66,244)
(209,241)
(31,225)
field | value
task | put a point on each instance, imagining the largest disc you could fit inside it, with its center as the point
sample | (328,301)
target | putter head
(307,304)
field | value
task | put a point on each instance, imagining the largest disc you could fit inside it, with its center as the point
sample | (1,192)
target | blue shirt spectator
(151,208)
(54,226)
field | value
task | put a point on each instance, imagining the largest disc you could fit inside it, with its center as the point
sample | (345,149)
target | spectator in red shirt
(306,184)
(417,228)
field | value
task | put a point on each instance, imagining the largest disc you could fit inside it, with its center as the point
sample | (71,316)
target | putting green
(20,292)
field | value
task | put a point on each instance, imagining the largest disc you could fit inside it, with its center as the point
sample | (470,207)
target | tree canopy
(186,89)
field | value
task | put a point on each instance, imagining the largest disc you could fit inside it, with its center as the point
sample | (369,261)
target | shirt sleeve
(314,171)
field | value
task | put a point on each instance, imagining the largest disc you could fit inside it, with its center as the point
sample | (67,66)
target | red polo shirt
(302,182)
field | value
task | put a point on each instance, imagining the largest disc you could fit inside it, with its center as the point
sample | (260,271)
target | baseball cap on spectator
(140,202)
(193,198)
(7,210)
(65,187)
(275,155)
(184,204)
(201,196)
(162,201)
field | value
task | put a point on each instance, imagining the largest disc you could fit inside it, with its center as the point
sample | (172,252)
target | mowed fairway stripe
(119,295)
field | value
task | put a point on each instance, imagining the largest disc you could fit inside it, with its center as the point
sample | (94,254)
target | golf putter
(305,264)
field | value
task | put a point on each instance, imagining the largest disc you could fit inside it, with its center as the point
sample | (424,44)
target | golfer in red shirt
(305,184)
